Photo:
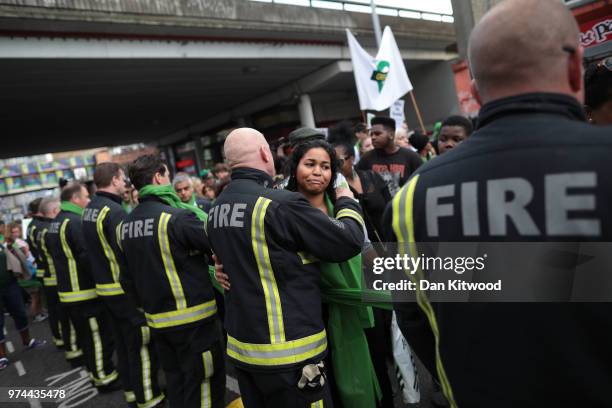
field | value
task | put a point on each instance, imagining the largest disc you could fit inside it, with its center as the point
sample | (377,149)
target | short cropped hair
(180,178)
(47,204)
(104,173)
(143,169)
(462,121)
(34,205)
(387,123)
(73,188)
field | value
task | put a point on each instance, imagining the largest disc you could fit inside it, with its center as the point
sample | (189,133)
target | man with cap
(395,164)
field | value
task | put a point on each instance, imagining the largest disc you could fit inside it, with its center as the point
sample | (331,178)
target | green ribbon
(167,194)
(353,369)
(71,207)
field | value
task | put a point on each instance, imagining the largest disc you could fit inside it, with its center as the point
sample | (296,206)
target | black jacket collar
(247,173)
(110,196)
(547,103)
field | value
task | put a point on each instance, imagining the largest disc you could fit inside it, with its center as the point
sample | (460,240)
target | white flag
(382,80)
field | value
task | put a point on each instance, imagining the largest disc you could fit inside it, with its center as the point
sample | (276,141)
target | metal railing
(363,6)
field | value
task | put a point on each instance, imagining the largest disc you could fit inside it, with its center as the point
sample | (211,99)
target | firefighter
(65,331)
(76,287)
(164,245)
(533,171)
(276,335)
(47,210)
(137,360)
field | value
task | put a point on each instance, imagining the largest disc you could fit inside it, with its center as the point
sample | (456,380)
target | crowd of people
(259,262)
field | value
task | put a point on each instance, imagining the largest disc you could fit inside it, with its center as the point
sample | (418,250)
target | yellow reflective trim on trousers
(50,281)
(108,251)
(318,404)
(350,213)
(50,263)
(129,396)
(152,402)
(209,370)
(98,352)
(77,296)
(145,364)
(166,254)
(183,316)
(274,309)
(403,227)
(307,258)
(74,350)
(72,267)
(289,352)
(109,289)
(100,382)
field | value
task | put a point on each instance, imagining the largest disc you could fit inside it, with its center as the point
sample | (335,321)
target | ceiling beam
(309,83)
(78,48)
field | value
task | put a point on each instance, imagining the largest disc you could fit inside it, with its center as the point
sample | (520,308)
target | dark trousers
(137,361)
(58,322)
(12,302)
(193,361)
(94,337)
(261,389)
(379,343)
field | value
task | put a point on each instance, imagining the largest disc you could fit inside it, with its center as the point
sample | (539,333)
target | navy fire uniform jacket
(267,241)
(164,250)
(66,245)
(534,171)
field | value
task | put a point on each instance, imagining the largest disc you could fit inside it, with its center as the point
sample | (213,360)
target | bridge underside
(67,93)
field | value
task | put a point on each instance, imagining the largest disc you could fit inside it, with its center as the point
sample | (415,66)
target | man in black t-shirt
(395,164)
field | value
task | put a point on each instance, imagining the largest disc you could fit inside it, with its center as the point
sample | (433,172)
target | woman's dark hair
(418,140)
(297,155)
(342,132)
(348,148)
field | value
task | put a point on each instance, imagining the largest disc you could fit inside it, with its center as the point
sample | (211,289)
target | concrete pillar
(305,109)
(464,22)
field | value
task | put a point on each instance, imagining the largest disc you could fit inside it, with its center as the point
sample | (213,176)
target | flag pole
(363,118)
(418,112)
(378,36)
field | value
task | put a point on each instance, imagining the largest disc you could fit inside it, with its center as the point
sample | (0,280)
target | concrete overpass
(87,73)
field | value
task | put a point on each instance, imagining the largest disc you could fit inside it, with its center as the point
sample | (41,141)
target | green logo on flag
(380,73)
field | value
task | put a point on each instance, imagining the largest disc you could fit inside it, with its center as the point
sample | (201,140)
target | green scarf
(71,207)
(353,369)
(169,196)
(192,201)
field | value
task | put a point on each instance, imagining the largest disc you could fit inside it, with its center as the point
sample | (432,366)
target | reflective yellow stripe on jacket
(171,273)
(350,213)
(72,267)
(77,295)
(268,281)
(289,352)
(182,316)
(109,289)
(403,227)
(108,251)
(52,279)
